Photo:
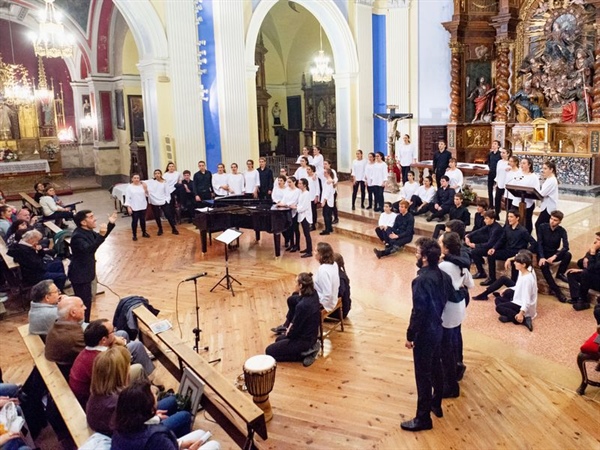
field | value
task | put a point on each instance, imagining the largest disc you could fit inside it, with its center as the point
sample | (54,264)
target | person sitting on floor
(53,211)
(299,332)
(457,212)
(483,239)
(29,255)
(444,198)
(419,203)
(409,188)
(505,281)
(550,235)
(478,222)
(386,222)
(585,277)
(45,297)
(402,232)
(520,307)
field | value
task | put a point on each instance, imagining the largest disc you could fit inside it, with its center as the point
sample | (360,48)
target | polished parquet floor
(355,395)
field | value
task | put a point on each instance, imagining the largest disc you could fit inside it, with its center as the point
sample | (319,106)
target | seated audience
(10,236)
(457,212)
(11,440)
(327,278)
(585,277)
(514,238)
(39,189)
(65,339)
(138,426)
(6,213)
(419,203)
(401,233)
(444,199)
(43,310)
(385,224)
(52,210)
(299,332)
(550,235)
(478,222)
(520,307)
(30,256)
(482,240)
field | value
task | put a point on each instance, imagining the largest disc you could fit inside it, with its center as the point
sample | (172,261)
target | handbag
(10,421)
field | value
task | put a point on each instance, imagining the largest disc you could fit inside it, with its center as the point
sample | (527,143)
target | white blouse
(511,175)
(251,181)
(358,169)
(290,197)
(135,197)
(409,189)
(236,183)
(456,179)
(528,180)
(158,193)
(426,195)
(501,173)
(278,193)
(526,293)
(327,285)
(172,178)
(387,219)
(406,153)
(218,180)
(550,192)
(304,208)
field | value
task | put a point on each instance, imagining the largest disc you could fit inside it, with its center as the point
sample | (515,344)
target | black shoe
(303,251)
(293,249)
(581,306)
(287,245)
(353,207)
(504,319)
(305,255)
(562,277)
(335,221)
(437,411)
(378,253)
(369,207)
(134,238)
(479,275)
(146,235)
(313,228)
(416,425)
(451,393)
(528,323)
(160,233)
(429,219)
(280,329)
(175,231)
(561,297)
(440,219)
(310,359)
(482,296)
(362,206)
(324,233)
(460,371)
(496,294)
(487,282)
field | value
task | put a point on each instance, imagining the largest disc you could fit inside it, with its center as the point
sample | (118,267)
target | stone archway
(346,64)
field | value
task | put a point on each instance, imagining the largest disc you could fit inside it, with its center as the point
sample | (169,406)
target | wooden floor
(355,395)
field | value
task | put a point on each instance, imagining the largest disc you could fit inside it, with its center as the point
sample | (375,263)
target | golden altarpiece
(527,73)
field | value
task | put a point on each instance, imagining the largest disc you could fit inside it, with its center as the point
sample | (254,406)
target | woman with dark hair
(299,332)
(407,155)
(327,278)
(513,172)
(305,217)
(501,169)
(527,179)
(344,289)
(369,171)
(52,210)
(550,192)
(136,203)
(159,198)
(290,200)
(17,225)
(173,179)
(39,191)
(137,424)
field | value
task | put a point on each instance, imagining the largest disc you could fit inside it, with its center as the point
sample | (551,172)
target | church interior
(92,92)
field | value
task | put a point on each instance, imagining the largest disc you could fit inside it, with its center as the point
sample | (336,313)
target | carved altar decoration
(262,97)
(555,65)
(320,116)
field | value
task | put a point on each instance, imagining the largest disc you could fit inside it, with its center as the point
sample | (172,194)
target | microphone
(203,274)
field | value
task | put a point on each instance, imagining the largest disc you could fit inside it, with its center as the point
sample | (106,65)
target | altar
(25,167)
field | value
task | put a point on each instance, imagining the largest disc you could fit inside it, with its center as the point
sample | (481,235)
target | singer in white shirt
(251,180)
(550,192)
(159,198)
(327,278)
(455,175)
(378,179)
(305,154)
(315,192)
(301,171)
(514,172)
(235,181)
(386,222)
(501,170)
(279,189)
(290,200)
(305,218)
(527,179)
(220,181)
(358,178)
(407,154)
(135,201)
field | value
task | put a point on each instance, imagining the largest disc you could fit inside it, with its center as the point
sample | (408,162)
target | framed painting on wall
(120,109)
(136,117)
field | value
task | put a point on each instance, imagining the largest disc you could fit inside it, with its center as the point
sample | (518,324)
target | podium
(523,192)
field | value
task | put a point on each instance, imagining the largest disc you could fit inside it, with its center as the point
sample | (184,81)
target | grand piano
(237,211)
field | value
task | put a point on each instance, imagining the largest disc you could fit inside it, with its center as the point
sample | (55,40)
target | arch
(345,58)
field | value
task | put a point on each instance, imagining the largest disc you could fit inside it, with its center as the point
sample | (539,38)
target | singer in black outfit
(492,162)
(441,161)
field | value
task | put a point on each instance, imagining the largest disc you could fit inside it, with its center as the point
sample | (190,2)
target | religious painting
(479,105)
(190,391)
(136,117)
(120,109)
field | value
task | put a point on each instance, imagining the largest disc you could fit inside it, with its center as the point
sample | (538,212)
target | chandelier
(52,41)
(14,79)
(320,71)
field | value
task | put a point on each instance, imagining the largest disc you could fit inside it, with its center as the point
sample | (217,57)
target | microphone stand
(197,330)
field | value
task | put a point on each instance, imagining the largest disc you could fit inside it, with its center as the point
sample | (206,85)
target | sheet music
(229,235)
(205,209)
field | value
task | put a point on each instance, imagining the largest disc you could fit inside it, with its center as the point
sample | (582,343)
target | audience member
(401,232)
(585,277)
(358,179)
(444,198)
(520,308)
(6,213)
(65,338)
(17,225)
(550,235)
(385,224)
(45,296)
(53,211)
(482,240)
(457,212)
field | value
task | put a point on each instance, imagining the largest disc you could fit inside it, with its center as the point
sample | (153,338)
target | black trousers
(383,235)
(306,232)
(84,292)
(448,356)
(378,193)
(428,372)
(416,207)
(505,307)
(438,176)
(138,216)
(371,192)
(439,229)
(285,349)
(490,188)
(529,218)
(355,187)
(296,231)
(500,282)
(544,217)
(168,211)
(313,206)
(438,214)
(562,268)
(502,255)
(396,244)
(328,217)
(498,201)
(580,283)
(405,170)
(334,209)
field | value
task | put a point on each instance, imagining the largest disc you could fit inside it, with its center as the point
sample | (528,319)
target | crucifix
(393,117)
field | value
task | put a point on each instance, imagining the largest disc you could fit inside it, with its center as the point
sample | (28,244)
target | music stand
(523,192)
(227,237)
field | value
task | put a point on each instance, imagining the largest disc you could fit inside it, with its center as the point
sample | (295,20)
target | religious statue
(276,112)
(5,122)
(87,108)
(483,97)
(527,102)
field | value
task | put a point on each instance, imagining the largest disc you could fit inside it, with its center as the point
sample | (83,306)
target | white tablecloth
(38,165)
(118,191)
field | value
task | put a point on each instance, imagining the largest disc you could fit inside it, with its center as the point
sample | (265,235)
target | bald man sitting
(65,338)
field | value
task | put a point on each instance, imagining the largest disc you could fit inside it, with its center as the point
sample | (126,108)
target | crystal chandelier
(52,41)
(320,71)
(15,79)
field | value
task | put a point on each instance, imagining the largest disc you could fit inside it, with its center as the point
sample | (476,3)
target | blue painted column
(379,83)
(210,108)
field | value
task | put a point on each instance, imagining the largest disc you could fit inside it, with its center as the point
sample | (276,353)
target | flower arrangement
(51,150)
(7,155)
(469,195)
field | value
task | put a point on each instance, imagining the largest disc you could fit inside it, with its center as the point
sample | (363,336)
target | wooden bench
(66,402)
(56,229)
(12,275)
(27,200)
(232,409)
(338,322)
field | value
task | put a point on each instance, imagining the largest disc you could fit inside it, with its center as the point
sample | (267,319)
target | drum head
(259,363)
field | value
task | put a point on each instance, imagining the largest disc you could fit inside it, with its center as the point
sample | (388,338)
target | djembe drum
(259,376)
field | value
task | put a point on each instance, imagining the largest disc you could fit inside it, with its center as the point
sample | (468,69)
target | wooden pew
(27,200)
(12,275)
(221,399)
(66,402)
(56,229)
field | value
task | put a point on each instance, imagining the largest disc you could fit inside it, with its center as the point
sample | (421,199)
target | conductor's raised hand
(112,218)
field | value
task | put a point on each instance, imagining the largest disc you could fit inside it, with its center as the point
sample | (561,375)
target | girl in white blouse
(407,155)
(455,175)
(501,170)
(550,192)
(305,217)
(159,199)
(514,172)
(290,200)
(279,189)
(235,181)
(301,171)
(327,278)
(369,170)
(135,201)
(527,179)
(173,179)
(251,180)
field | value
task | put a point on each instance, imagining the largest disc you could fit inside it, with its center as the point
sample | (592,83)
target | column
(596,78)
(345,83)
(503,49)
(455,94)
(398,55)
(186,94)
(229,32)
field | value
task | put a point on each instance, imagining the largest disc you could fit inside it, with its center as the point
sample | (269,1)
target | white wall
(434,62)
